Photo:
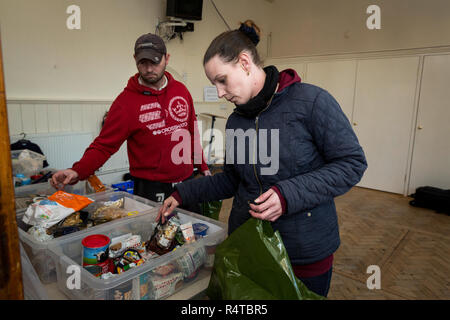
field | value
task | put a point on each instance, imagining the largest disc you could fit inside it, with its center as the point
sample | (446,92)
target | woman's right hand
(166,209)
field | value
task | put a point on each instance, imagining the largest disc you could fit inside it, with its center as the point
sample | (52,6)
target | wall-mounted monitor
(185,9)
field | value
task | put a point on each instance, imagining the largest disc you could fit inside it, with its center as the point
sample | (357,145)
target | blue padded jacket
(319,158)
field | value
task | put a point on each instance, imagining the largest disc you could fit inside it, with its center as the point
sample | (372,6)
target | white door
(431,154)
(338,78)
(383,119)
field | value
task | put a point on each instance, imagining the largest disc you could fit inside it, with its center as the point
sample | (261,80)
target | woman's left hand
(269,207)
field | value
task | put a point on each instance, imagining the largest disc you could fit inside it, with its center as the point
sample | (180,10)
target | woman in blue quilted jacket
(290,150)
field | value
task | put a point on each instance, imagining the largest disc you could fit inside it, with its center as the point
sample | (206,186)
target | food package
(192,261)
(40,233)
(69,200)
(72,220)
(161,241)
(72,223)
(122,243)
(167,233)
(107,211)
(164,270)
(46,213)
(161,287)
(188,232)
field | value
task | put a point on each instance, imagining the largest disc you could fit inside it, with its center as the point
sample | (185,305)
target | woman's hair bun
(251,30)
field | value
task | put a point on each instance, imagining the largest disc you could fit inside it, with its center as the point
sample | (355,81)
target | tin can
(96,252)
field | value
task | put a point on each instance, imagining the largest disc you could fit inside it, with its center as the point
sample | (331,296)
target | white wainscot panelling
(63,130)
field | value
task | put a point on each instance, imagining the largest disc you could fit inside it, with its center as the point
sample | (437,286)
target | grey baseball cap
(149,46)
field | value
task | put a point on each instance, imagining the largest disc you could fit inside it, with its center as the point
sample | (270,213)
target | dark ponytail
(229,44)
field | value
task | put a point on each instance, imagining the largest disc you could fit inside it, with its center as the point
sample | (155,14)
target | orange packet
(70,200)
(96,184)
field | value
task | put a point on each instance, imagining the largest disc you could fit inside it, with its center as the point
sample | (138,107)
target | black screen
(185,9)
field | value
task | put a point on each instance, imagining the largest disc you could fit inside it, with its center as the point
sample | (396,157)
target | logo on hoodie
(179,109)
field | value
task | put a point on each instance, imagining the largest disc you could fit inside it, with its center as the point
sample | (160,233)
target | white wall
(307,27)
(45,60)
(60,80)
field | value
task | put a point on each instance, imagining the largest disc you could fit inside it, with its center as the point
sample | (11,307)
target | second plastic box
(157,278)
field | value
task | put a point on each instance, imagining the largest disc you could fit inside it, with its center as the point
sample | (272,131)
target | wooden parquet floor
(411,246)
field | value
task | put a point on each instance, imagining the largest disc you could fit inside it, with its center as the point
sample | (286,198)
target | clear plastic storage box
(157,278)
(33,288)
(38,252)
(25,194)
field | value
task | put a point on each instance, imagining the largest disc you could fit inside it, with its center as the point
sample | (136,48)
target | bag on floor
(432,198)
(252,264)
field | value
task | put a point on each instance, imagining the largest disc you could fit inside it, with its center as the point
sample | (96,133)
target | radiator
(61,149)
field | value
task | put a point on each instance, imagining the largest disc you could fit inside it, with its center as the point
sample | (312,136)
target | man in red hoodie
(147,113)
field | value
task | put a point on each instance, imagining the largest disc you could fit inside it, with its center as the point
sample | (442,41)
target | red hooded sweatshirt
(147,119)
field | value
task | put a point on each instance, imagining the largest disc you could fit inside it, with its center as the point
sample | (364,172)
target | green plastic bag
(252,264)
(211,209)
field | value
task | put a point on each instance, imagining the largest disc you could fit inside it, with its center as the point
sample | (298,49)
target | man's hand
(268,208)
(166,209)
(63,177)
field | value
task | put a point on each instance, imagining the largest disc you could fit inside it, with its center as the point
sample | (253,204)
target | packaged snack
(167,233)
(69,200)
(73,220)
(46,213)
(40,233)
(147,255)
(131,255)
(188,232)
(162,287)
(164,270)
(108,213)
(192,261)
(96,184)
(127,241)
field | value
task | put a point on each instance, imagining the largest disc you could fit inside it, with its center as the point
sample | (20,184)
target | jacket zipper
(255,144)
(254,153)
